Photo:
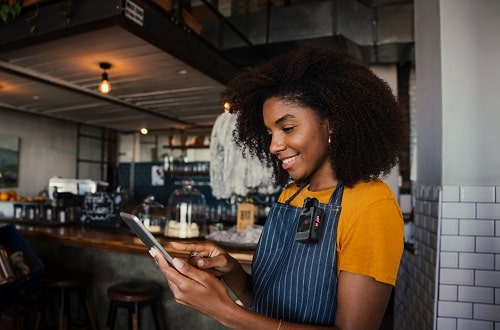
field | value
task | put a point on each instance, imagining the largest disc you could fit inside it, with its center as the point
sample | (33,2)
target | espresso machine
(67,197)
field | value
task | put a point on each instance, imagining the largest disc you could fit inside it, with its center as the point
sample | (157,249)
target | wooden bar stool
(134,295)
(64,284)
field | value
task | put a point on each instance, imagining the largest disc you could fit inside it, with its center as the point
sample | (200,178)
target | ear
(326,124)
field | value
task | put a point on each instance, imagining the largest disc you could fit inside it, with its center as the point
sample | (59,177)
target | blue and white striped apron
(293,281)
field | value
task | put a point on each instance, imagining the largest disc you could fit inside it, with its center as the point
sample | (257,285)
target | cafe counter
(120,240)
(113,255)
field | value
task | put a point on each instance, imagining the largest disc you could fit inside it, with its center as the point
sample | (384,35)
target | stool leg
(88,310)
(136,317)
(111,315)
(63,310)
(130,318)
(155,309)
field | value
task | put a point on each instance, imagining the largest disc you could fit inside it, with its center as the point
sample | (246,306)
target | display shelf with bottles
(178,170)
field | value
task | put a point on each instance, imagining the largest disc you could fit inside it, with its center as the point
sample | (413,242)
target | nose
(277,145)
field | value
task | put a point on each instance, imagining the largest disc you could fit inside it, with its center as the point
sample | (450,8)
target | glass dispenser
(152,214)
(186,212)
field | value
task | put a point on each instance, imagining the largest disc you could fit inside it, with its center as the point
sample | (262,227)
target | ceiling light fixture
(104,86)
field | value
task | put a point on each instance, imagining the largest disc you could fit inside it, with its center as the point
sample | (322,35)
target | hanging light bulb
(104,86)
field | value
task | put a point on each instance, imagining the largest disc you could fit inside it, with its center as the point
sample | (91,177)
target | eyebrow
(282,119)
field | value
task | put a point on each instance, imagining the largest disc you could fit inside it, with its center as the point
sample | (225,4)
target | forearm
(240,283)
(241,318)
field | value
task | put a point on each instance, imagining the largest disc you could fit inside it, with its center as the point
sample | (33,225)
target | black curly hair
(367,125)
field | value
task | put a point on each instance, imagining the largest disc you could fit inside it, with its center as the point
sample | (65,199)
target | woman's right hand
(208,256)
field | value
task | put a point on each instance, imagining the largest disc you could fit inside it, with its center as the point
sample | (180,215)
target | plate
(230,239)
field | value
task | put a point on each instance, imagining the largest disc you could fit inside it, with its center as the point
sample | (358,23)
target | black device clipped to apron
(309,226)
(309,222)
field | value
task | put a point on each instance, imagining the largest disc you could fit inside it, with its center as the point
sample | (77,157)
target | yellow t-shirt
(370,232)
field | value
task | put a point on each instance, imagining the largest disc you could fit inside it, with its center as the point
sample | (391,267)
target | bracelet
(279,325)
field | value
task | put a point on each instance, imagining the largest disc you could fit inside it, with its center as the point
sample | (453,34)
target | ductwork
(373,32)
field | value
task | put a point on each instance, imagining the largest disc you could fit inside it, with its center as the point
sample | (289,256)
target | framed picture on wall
(9,161)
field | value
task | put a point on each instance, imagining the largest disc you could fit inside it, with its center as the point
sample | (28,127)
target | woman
(330,125)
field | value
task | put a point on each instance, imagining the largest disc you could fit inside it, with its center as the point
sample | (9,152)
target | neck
(323,185)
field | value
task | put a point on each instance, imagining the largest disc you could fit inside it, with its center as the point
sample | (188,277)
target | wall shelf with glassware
(178,170)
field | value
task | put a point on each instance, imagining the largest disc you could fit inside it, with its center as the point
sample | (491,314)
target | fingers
(181,268)
(196,247)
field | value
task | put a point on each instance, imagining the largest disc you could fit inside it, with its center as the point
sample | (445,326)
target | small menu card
(246,216)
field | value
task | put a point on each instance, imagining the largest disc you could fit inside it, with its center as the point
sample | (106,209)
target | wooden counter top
(107,239)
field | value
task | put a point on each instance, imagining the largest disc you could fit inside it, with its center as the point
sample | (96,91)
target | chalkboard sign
(101,208)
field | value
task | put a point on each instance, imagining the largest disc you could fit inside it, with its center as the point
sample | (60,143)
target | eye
(288,129)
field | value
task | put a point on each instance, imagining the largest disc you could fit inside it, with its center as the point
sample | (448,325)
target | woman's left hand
(193,287)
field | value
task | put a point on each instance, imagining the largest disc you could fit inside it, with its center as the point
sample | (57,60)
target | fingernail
(152,252)
(178,264)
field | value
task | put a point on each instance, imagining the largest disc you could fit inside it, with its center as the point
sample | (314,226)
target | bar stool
(134,295)
(64,284)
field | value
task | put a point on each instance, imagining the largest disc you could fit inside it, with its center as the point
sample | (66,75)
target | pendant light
(104,86)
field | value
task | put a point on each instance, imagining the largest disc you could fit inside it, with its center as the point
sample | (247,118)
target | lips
(288,162)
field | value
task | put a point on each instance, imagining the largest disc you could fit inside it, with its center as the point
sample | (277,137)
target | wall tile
(459,210)
(448,292)
(477,227)
(444,323)
(477,261)
(488,211)
(487,278)
(426,208)
(457,243)
(487,312)
(477,194)
(497,296)
(497,262)
(449,227)
(488,244)
(448,259)
(455,309)
(456,276)
(476,294)
(451,193)
(474,325)
(497,188)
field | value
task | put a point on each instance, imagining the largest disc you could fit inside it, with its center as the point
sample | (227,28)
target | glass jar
(186,212)
(152,214)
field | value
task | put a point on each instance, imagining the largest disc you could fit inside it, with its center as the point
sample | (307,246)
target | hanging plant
(10,9)
(66,10)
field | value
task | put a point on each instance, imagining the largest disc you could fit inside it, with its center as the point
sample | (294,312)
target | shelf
(185,147)
(187,173)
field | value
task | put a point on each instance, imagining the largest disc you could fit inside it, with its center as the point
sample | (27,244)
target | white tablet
(143,233)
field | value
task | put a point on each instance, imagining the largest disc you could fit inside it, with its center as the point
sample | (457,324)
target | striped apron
(293,281)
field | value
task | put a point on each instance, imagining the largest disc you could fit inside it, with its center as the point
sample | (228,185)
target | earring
(329,140)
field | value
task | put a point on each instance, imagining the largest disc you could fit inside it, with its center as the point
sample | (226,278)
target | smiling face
(300,141)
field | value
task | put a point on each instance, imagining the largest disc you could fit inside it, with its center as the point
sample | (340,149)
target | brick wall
(463,291)
(469,267)
(414,301)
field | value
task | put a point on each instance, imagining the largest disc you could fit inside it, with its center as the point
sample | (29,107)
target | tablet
(143,233)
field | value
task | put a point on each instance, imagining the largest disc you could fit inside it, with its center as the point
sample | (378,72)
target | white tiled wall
(468,264)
